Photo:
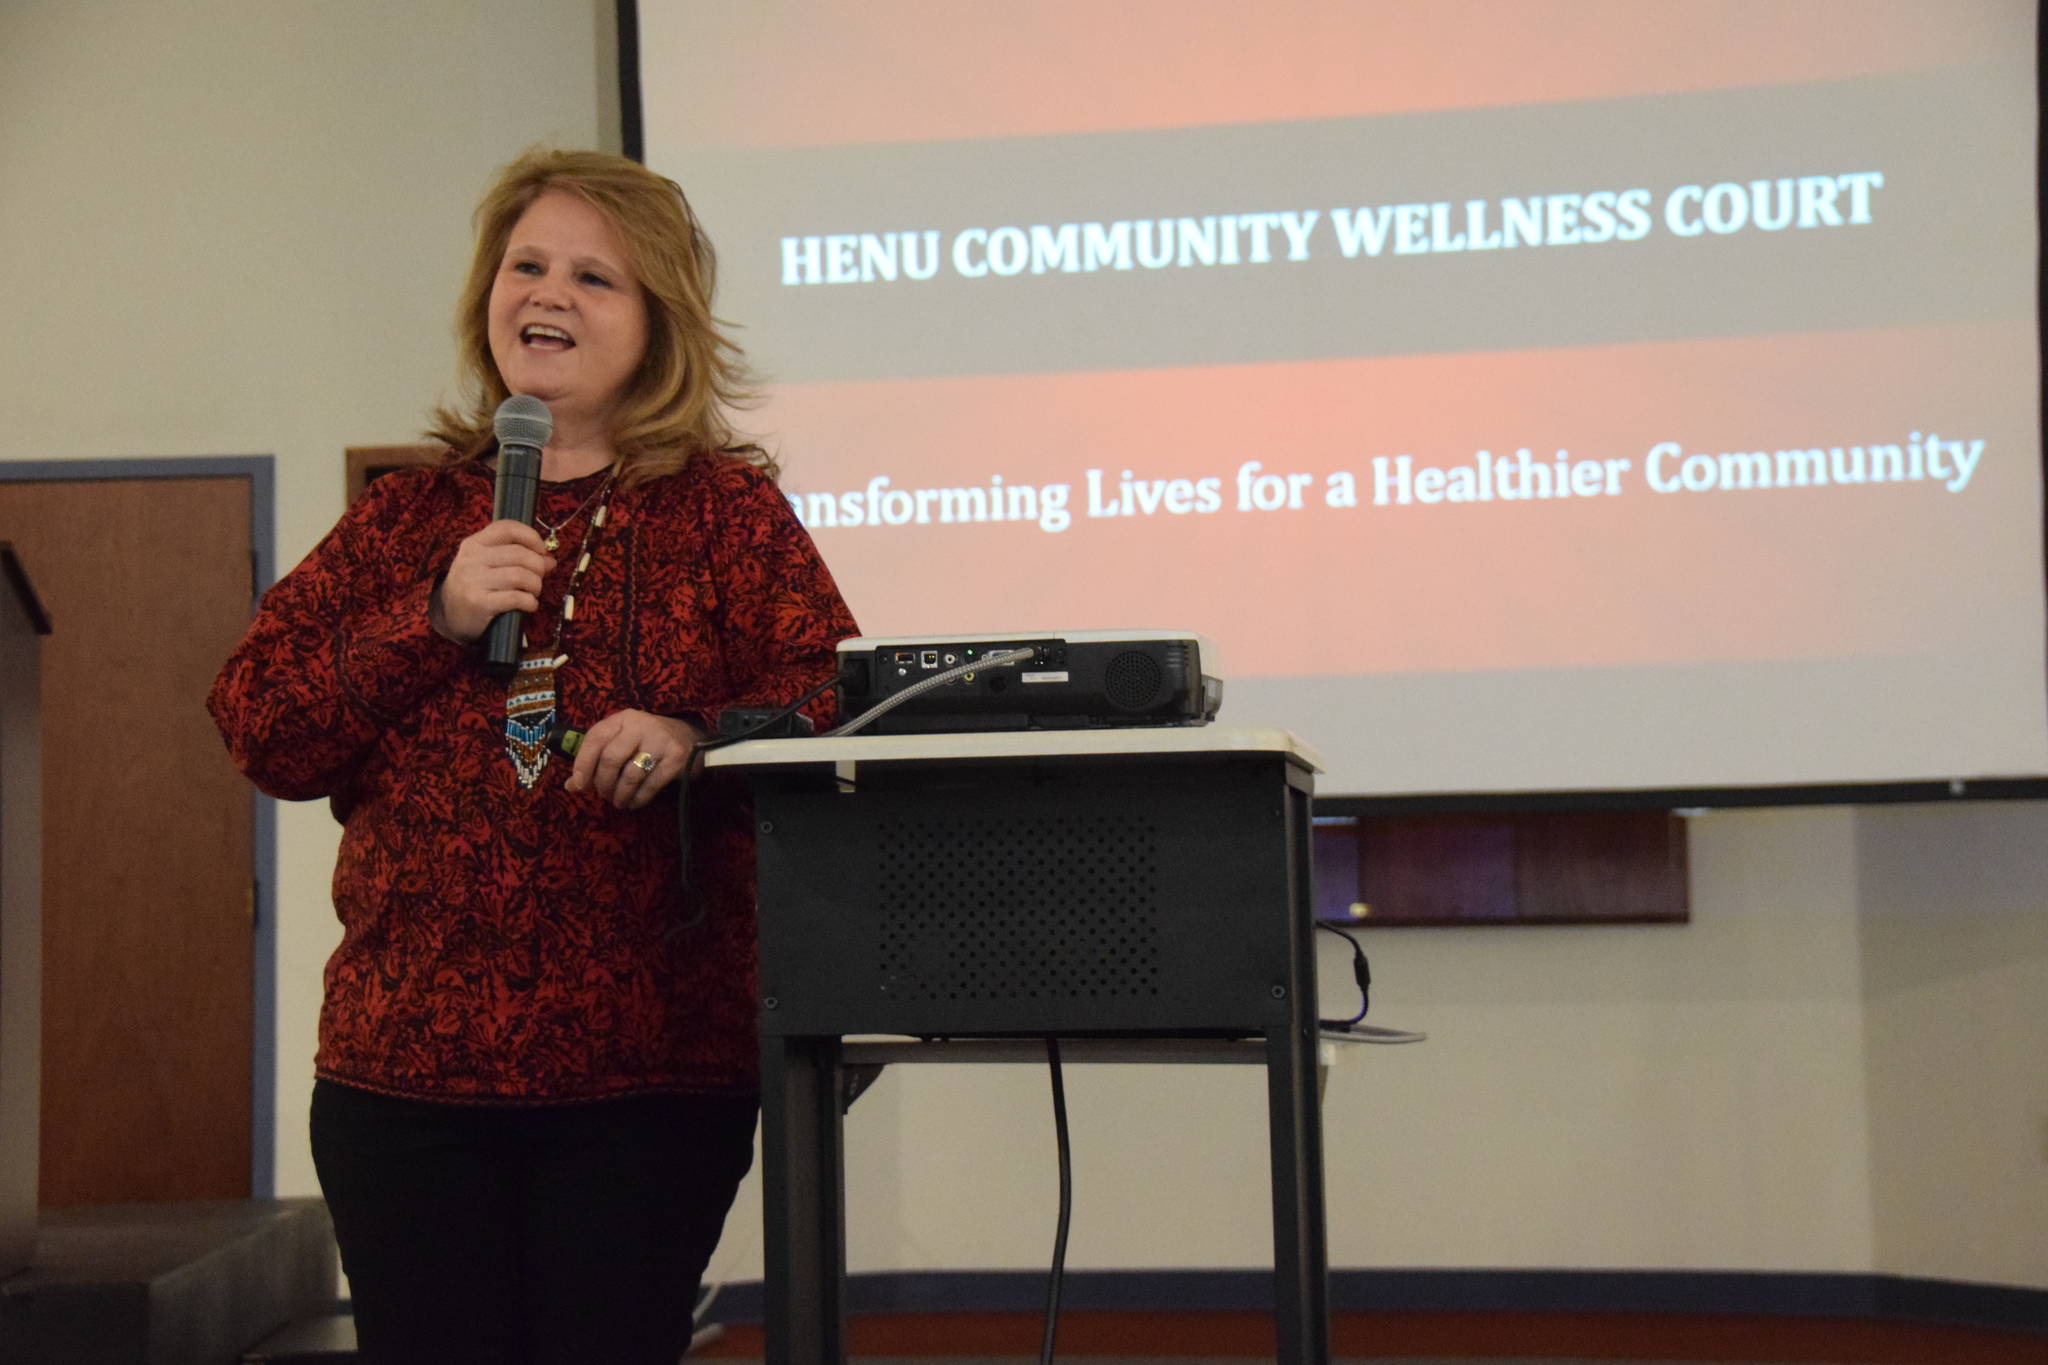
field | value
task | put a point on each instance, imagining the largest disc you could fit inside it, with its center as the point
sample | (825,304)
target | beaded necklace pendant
(530,714)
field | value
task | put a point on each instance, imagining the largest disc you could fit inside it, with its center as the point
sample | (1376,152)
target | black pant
(527,1235)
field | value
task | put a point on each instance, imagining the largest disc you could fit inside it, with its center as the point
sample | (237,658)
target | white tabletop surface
(1153,739)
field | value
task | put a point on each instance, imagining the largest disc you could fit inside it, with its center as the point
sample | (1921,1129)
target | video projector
(1069,681)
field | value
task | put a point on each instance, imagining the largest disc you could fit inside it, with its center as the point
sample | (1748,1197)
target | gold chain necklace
(554,536)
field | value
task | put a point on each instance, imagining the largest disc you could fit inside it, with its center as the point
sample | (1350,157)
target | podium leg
(803,1199)
(1301,1292)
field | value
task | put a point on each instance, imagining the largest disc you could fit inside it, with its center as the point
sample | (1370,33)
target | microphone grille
(523,421)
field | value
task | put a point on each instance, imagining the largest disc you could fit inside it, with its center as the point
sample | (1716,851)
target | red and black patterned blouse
(508,944)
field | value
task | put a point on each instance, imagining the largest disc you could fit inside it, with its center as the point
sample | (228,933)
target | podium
(22,626)
(1110,886)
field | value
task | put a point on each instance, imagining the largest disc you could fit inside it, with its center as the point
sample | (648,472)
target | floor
(1419,1339)
(1356,1339)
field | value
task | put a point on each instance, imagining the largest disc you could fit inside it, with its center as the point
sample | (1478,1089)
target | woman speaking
(536,1082)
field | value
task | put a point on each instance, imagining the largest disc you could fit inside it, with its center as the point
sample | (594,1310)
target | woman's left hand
(629,756)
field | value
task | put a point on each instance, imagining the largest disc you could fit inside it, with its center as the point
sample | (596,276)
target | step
(131,1283)
(309,1341)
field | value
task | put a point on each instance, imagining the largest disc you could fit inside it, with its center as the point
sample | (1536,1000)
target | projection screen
(1531,397)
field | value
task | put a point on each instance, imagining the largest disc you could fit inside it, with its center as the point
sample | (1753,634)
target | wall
(1835,1067)
(1683,1097)
(1955,972)
(237,227)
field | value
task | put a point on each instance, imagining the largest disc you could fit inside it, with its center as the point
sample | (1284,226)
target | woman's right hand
(498,569)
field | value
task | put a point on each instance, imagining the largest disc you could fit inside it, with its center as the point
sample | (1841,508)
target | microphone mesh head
(523,421)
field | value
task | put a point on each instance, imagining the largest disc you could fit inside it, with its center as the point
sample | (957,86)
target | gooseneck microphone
(522,425)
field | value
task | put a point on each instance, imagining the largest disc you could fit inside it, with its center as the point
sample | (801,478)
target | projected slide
(1532,396)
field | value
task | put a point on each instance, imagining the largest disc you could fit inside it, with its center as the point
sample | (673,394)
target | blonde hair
(675,406)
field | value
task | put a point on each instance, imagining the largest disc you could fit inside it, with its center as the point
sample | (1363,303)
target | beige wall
(1669,1096)
(1955,972)
(1837,1066)
(236,227)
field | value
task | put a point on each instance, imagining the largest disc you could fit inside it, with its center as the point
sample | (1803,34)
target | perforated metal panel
(1047,908)
(1076,899)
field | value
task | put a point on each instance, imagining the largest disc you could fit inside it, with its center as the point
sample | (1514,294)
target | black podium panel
(1035,899)
(1150,887)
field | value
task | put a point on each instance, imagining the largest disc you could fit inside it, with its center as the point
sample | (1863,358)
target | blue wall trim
(1684,1293)
(261,472)
(257,467)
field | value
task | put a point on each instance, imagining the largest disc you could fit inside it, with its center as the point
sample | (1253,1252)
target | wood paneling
(147,892)
(1556,867)
(364,463)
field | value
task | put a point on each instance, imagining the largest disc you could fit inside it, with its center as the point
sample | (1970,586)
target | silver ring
(644,761)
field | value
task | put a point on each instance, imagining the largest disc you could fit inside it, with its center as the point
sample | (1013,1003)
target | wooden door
(147,889)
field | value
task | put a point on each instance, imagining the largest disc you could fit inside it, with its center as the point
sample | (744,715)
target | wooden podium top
(825,750)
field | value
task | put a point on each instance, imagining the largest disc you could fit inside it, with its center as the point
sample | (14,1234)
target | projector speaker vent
(1132,681)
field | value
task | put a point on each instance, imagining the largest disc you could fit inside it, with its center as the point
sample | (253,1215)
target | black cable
(685,882)
(1361,971)
(702,745)
(1059,1245)
(564,739)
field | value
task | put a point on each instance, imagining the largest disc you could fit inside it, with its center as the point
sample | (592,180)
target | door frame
(260,470)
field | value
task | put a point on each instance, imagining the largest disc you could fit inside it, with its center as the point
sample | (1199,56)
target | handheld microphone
(522,425)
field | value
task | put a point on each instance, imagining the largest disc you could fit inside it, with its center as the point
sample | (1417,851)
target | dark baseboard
(1694,1293)
(1958,1301)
